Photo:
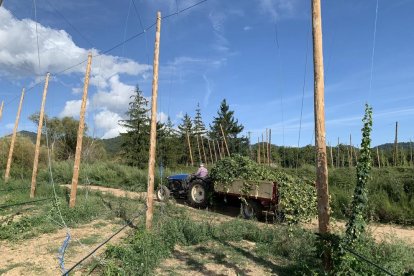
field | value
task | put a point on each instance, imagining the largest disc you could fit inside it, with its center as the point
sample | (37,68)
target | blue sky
(255,53)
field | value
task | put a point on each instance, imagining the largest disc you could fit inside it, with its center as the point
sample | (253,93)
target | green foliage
(135,145)
(356,223)
(23,155)
(297,196)
(231,127)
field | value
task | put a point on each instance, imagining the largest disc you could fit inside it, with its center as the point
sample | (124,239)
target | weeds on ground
(30,220)
(294,251)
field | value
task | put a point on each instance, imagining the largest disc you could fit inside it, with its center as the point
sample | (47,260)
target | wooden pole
(189,148)
(219,150)
(378,158)
(338,155)
(78,152)
(351,161)
(13,140)
(200,159)
(211,153)
(39,136)
(320,132)
(267,147)
(263,150)
(225,140)
(1,109)
(153,135)
(214,149)
(204,150)
(332,162)
(396,145)
(258,150)
(270,146)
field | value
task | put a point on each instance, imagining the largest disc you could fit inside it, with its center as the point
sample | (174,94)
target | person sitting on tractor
(202,171)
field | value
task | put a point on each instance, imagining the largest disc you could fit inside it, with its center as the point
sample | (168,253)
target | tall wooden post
(225,140)
(200,158)
(320,132)
(13,140)
(1,109)
(189,148)
(39,136)
(263,150)
(219,150)
(153,136)
(204,149)
(81,127)
(270,146)
(214,149)
(338,163)
(396,145)
(330,150)
(211,153)
(258,150)
(378,158)
(351,161)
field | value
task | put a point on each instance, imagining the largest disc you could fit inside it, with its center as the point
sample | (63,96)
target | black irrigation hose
(66,273)
(368,261)
(23,203)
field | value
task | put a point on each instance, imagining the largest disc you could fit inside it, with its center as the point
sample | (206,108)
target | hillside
(112,145)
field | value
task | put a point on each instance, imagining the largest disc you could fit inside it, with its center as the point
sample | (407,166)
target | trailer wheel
(251,209)
(163,193)
(197,194)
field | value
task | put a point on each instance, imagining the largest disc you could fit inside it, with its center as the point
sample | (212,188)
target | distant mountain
(31,135)
(112,145)
(401,145)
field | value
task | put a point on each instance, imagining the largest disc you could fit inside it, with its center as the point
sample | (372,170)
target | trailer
(261,198)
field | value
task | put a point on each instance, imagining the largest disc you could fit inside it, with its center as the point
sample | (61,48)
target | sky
(257,54)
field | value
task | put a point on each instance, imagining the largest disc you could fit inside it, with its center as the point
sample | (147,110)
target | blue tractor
(194,189)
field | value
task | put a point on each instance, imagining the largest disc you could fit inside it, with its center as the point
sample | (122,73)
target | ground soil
(38,256)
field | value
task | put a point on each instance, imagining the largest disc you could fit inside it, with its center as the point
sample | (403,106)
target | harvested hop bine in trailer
(297,196)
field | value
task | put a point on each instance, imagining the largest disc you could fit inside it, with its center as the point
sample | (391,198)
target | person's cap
(201,165)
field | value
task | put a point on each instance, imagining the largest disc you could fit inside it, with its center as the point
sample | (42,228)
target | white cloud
(162,117)
(76,90)
(19,59)
(72,109)
(247,28)
(208,90)
(278,9)
(109,122)
(116,98)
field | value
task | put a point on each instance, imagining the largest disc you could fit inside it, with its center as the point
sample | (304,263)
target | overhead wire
(69,23)
(303,96)
(111,48)
(373,49)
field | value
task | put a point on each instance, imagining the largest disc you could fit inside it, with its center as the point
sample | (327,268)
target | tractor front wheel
(163,193)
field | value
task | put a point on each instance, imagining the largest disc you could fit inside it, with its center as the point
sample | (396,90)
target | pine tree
(231,128)
(135,142)
(186,127)
(199,126)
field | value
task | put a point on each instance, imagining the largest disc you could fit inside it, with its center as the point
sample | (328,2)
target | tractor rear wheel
(251,209)
(197,194)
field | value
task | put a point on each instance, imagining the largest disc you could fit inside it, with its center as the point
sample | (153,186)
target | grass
(278,249)
(27,221)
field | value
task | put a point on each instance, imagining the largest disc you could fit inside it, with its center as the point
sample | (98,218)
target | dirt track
(379,230)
